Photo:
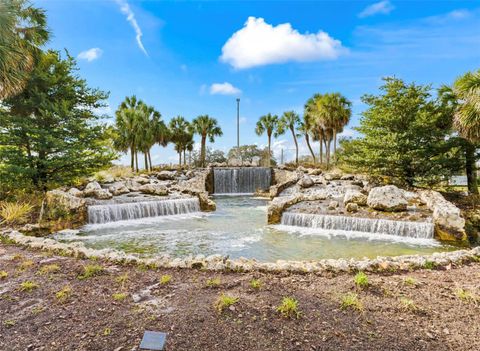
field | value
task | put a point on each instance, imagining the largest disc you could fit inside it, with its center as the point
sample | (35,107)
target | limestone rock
(333,205)
(102,194)
(355,196)
(332,176)
(206,204)
(351,207)
(387,198)
(154,189)
(255,161)
(75,192)
(305,182)
(141,180)
(91,188)
(58,201)
(118,189)
(347,177)
(234,162)
(166,175)
(132,185)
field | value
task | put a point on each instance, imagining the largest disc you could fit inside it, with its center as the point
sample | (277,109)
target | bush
(90,270)
(225,301)
(289,308)
(361,280)
(15,212)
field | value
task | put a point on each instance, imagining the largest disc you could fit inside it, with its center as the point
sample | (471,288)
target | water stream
(244,180)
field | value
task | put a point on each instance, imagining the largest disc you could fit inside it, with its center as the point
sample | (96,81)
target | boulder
(91,188)
(166,175)
(206,204)
(302,169)
(315,171)
(141,180)
(58,203)
(256,161)
(132,185)
(333,205)
(153,189)
(234,162)
(351,207)
(355,196)
(332,176)
(102,194)
(305,182)
(75,192)
(387,198)
(347,177)
(279,204)
(118,188)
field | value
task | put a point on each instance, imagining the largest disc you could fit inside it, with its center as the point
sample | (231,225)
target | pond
(238,229)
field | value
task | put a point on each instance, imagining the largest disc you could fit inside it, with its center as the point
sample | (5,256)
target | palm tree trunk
(320,139)
(136,160)
(470,168)
(180,158)
(204,141)
(334,145)
(132,157)
(145,160)
(184,157)
(327,150)
(307,140)
(296,145)
(150,160)
(269,150)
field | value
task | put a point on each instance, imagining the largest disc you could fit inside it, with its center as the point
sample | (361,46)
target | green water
(238,229)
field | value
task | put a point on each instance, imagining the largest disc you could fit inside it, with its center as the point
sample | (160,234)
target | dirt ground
(421,310)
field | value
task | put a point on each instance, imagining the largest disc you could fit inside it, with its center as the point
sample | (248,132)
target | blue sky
(191,58)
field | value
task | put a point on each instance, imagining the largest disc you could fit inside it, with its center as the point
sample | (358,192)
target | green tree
(205,126)
(180,135)
(267,124)
(212,156)
(49,134)
(289,120)
(404,135)
(22,32)
(306,128)
(463,99)
(152,130)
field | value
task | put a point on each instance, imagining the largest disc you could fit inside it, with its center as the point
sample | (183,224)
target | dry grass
(15,212)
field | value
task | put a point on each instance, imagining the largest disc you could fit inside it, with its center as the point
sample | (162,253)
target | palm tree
(306,128)
(464,100)
(339,112)
(289,120)
(180,134)
(205,126)
(316,115)
(22,32)
(151,130)
(267,123)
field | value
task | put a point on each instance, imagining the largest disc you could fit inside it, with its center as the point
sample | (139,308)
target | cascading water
(134,210)
(243,180)
(423,230)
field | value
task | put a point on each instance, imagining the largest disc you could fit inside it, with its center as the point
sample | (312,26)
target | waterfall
(423,230)
(134,210)
(241,180)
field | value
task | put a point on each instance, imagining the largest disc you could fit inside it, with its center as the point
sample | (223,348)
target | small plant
(38,309)
(351,300)
(255,284)
(28,286)
(17,257)
(410,281)
(465,295)
(64,294)
(9,323)
(408,304)
(3,275)
(289,308)
(165,279)
(429,265)
(361,280)
(49,268)
(107,332)
(214,282)
(90,270)
(225,301)
(119,296)
(122,279)
(27,264)
(14,212)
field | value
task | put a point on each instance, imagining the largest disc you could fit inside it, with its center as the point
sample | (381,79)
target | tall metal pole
(238,124)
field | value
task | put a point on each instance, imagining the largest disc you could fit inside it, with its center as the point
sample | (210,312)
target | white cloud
(381,7)
(224,89)
(126,10)
(259,43)
(90,54)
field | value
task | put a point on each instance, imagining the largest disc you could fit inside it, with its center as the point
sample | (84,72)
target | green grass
(49,268)
(64,294)
(107,332)
(28,286)
(90,270)
(122,279)
(165,279)
(408,304)
(27,264)
(361,280)
(255,284)
(410,281)
(119,296)
(3,275)
(214,282)
(9,323)
(465,295)
(429,265)
(351,301)
(225,301)
(289,308)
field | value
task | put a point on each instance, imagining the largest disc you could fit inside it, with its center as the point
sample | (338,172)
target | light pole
(238,124)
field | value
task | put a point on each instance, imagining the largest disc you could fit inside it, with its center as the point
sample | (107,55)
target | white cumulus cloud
(126,10)
(382,7)
(224,89)
(259,43)
(90,54)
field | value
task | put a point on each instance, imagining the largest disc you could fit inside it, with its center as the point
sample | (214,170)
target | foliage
(206,127)
(28,286)
(122,279)
(3,275)
(248,152)
(289,308)
(23,30)
(408,304)
(466,295)
(27,264)
(225,301)
(181,137)
(410,281)
(49,268)
(64,294)
(165,279)
(361,280)
(119,296)
(211,156)
(49,134)
(214,282)
(14,212)
(289,120)
(350,300)
(255,284)
(267,124)
(404,136)
(90,270)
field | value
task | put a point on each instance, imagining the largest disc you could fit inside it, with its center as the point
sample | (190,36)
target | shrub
(351,300)
(64,294)
(214,282)
(255,284)
(122,279)
(165,279)
(410,281)
(49,268)
(27,264)
(408,304)
(361,280)
(119,296)
(9,323)
(429,265)
(28,286)
(289,308)
(90,270)
(14,212)
(225,301)
(465,295)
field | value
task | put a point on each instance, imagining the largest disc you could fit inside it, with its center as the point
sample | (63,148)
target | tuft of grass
(17,257)
(410,281)
(255,284)
(214,282)
(27,264)
(3,275)
(9,323)
(361,280)
(465,295)
(64,294)
(165,279)
(107,332)
(122,279)
(38,309)
(90,270)
(28,286)
(119,296)
(429,265)
(49,268)
(408,304)
(289,308)
(225,301)
(351,300)
(14,212)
